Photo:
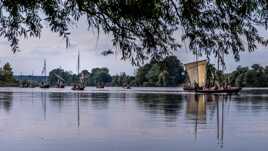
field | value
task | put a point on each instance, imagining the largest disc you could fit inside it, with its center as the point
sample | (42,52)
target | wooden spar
(196,59)
(59,77)
(78,63)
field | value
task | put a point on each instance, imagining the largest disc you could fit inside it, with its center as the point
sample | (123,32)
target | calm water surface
(140,119)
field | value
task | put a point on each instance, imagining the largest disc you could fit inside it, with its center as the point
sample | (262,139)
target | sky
(53,48)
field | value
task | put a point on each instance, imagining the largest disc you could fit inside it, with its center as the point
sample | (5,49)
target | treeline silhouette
(168,72)
(254,76)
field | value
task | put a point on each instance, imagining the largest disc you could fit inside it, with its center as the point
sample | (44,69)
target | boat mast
(78,63)
(45,69)
(197,72)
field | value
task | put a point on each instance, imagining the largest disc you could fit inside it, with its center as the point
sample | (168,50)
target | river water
(139,119)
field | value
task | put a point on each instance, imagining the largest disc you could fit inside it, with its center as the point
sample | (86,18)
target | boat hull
(189,89)
(229,91)
(44,86)
(78,89)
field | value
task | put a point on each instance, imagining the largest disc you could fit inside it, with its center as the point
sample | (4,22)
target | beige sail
(197,72)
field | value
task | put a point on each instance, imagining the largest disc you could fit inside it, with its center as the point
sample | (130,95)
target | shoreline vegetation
(169,72)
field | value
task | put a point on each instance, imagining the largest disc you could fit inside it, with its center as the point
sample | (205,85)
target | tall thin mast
(44,70)
(45,67)
(78,63)
(196,59)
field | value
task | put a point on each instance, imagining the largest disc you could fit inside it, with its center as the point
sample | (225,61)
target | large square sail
(197,72)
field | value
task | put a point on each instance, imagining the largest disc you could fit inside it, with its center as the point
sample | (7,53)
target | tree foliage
(256,76)
(6,74)
(144,29)
(68,77)
(168,72)
(123,80)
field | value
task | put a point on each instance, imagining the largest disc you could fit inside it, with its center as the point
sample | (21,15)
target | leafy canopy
(144,29)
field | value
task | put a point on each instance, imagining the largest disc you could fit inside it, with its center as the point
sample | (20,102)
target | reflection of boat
(197,107)
(80,85)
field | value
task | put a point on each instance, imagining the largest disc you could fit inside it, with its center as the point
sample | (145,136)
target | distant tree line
(6,75)
(254,76)
(168,72)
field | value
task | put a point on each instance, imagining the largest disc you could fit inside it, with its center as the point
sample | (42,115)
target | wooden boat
(78,88)
(100,86)
(197,72)
(188,89)
(80,85)
(60,81)
(44,84)
(60,86)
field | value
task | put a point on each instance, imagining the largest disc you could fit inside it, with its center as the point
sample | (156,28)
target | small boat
(60,86)
(100,86)
(190,89)
(78,87)
(60,81)
(44,85)
(44,71)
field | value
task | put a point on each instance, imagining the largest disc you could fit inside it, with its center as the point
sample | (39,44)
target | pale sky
(52,48)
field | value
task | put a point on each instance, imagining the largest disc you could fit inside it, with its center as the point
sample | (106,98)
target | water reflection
(133,121)
(168,105)
(44,103)
(78,109)
(197,108)
(6,100)
(100,100)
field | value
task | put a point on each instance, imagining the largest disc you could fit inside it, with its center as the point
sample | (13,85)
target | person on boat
(196,86)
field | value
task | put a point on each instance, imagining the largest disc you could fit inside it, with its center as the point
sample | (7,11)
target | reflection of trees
(6,100)
(100,100)
(253,102)
(167,104)
(57,98)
